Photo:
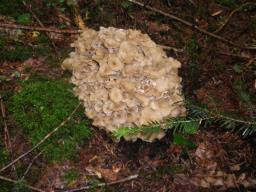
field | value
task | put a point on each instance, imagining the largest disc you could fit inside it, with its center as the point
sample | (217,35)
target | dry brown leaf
(235,167)
(216,13)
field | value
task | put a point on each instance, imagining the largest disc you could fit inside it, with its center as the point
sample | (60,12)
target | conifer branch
(196,117)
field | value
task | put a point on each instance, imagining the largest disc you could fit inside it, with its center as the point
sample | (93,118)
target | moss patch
(40,107)
(227,3)
(5,186)
(71,176)
(11,7)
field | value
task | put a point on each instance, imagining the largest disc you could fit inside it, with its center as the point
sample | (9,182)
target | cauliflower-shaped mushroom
(124,80)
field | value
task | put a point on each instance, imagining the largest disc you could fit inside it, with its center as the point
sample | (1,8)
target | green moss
(227,3)
(18,53)
(194,50)
(21,52)
(40,107)
(11,7)
(24,18)
(5,186)
(3,153)
(253,25)
(71,176)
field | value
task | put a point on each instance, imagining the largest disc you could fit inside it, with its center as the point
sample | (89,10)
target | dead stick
(7,139)
(230,15)
(234,55)
(170,48)
(45,29)
(30,164)
(42,25)
(191,25)
(6,132)
(42,141)
(14,181)
(67,31)
(132,177)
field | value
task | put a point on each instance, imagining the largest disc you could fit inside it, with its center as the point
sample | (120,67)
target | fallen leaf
(216,13)
(235,167)
(230,181)
(219,182)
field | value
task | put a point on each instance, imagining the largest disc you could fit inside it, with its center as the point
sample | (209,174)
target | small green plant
(24,18)
(242,91)
(126,5)
(183,141)
(71,176)
(3,154)
(11,7)
(40,107)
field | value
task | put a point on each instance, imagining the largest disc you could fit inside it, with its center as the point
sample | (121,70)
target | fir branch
(196,117)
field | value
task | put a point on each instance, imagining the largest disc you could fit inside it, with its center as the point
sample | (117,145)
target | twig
(15,182)
(42,141)
(191,25)
(7,140)
(45,29)
(230,15)
(132,177)
(42,25)
(31,163)
(250,62)
(6,131)
(170,48)
(235,55)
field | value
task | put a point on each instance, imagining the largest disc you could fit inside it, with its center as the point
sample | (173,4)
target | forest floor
(214,73)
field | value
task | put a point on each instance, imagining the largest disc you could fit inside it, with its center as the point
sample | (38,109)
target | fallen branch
(132,177)
(230,15)
(6,131)
(191,25)
(15,182)
(42,141)
(45,29)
